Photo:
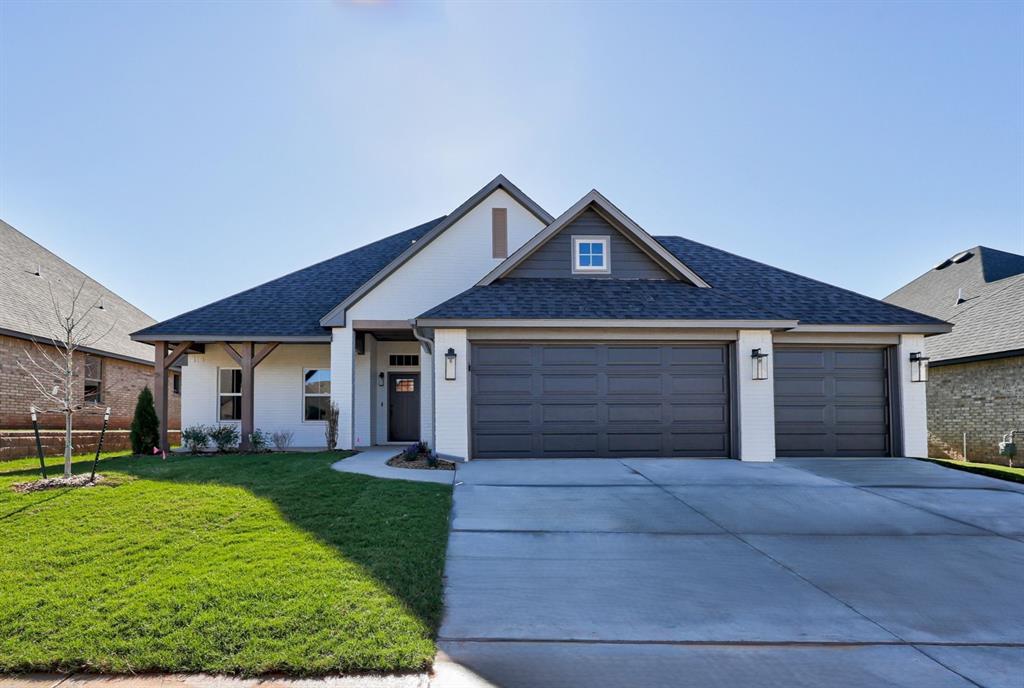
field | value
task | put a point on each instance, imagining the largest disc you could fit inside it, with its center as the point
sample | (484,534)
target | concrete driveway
(845,573)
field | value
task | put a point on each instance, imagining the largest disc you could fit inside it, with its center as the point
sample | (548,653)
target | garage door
(831,402)
(542,400)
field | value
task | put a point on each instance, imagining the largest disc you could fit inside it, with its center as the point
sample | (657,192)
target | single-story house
(976,383)
(111,369)
(500,331)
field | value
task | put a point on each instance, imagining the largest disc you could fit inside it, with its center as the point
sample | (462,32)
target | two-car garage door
(600,399)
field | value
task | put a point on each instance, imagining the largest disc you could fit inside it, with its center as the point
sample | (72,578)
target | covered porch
(392,396)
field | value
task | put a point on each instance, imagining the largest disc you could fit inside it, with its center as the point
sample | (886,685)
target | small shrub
(225,437)
(411,452)
(282,439)
(195,438)
(259,440)
(432,458)
(331,430)
(145,434)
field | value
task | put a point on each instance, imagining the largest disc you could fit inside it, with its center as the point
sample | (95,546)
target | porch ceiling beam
(380,325)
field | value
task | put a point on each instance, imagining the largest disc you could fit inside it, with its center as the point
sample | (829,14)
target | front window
(93,379)
(590,254)
(230,393)
(316,394)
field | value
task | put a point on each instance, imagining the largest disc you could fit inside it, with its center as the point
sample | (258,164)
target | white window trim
(85,380)
(303,395)
(226,394)
(577,268)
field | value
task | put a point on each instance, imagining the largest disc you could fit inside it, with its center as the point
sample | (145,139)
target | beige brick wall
(122,382)
(984,399)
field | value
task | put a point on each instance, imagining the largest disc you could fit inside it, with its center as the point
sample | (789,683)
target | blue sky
(181,152)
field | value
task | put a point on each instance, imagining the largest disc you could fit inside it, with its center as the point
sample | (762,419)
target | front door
(403,407)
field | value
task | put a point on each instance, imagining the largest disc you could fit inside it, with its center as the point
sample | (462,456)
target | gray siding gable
(554,258)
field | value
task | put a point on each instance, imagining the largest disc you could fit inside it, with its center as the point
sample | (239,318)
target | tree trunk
(67,444)
(68,440)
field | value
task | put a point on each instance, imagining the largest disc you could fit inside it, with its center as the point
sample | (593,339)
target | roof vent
(962,256)
(944,264)
(960,296)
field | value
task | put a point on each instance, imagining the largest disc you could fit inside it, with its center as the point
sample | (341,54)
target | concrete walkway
(373,461)
(802,573)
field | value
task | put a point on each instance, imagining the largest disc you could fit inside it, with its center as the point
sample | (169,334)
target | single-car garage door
(546,400)
(831,402)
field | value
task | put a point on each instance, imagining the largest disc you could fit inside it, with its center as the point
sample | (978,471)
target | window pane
(92,392)
(318,382)
(316,408)
(597,261)
(405,385)
(93,367)
(584,248)
(585,261)
(230,381)
(231,408)
(597,248)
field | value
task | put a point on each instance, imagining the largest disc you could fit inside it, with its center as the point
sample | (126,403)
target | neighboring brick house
(114,368)
(976,378)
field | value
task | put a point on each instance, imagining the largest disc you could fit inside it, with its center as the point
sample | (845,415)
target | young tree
(145,433)
(54,366)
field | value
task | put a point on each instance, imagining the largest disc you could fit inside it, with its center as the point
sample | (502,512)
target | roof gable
(336,316)
(629,229)
(625,260)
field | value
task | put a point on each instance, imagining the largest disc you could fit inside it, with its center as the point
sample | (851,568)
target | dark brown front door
(403,407)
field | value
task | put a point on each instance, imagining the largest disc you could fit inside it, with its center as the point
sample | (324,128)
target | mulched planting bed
(420,462)
(53,483)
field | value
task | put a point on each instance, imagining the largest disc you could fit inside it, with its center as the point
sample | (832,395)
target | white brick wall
(449,265)
(913,399)
(451,396)
(426,398)
(277,403)
(756,398)
(342,369)
(362,394)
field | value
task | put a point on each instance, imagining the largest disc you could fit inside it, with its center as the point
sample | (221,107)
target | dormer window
(590,254)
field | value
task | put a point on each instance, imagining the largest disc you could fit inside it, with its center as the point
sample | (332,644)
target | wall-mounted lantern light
(918,367)
(380,379)
(449,364)
(759,364)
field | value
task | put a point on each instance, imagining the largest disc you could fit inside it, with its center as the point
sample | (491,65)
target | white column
(452,396)
(426,397)
(755,405)
(362,393)
(913,399)
(342,349)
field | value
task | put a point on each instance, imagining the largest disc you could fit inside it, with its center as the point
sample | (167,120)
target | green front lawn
(239,564)
(1013,474)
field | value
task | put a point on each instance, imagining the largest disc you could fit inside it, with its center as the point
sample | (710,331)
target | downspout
(428,344)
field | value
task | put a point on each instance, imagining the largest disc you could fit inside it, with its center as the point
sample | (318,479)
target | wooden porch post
(160,391)
(161,362)
(247,360)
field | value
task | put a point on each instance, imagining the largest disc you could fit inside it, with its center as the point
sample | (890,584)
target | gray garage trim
(833,401)
(600,399)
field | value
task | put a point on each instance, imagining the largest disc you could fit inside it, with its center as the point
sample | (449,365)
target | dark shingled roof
(291,306)
(567,297)
(794,296)
(741,289)
(990,317)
